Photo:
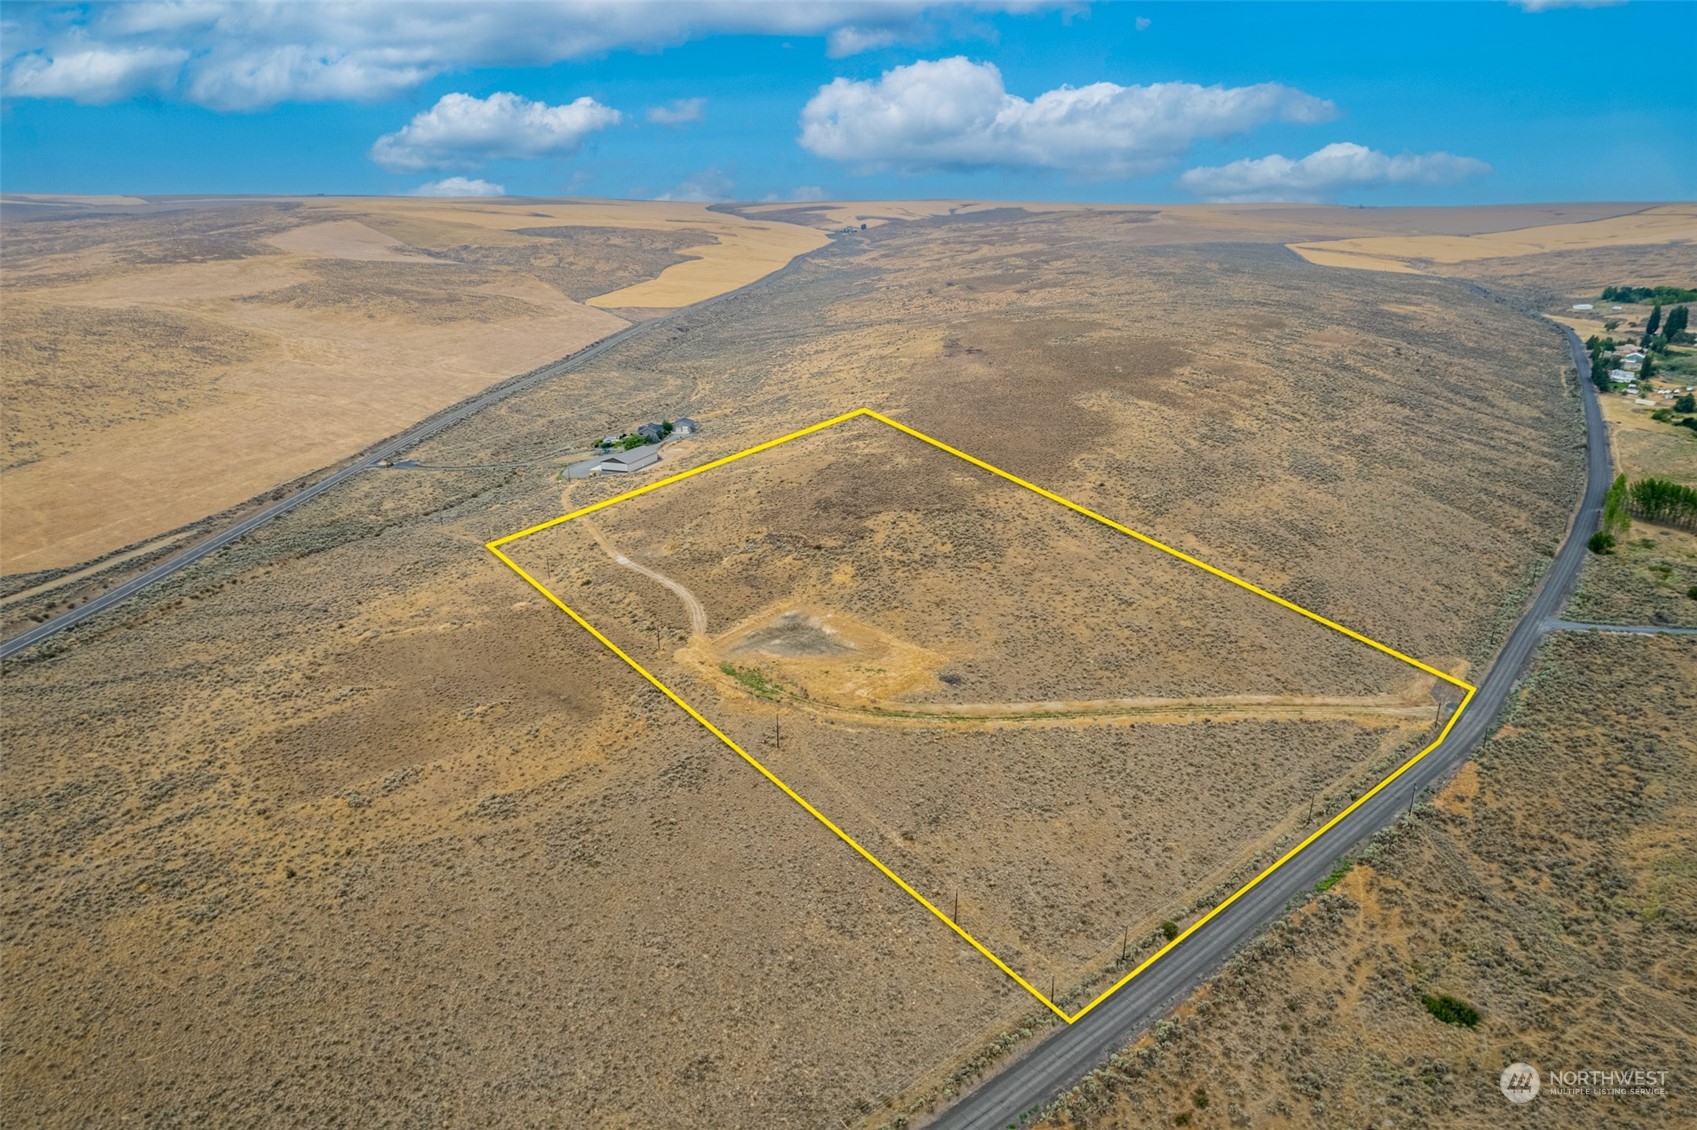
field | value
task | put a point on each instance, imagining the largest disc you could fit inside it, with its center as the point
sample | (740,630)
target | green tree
(1616,517)
(1657,294)
(1599,369)
(1665,502)
(1600,543)
(1686,403)
(1677,320)
(1654,322)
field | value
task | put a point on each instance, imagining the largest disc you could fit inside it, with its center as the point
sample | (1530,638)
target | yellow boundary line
(495,548)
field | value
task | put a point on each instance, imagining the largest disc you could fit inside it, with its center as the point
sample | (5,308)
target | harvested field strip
(1661,224)
(1467,689)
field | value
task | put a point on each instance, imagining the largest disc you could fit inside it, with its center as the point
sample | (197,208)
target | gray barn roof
(635,457)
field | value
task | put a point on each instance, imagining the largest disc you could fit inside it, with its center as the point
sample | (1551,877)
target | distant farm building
(615,462)
(684,426)
(1621,377)
(653,433)
(1583,306)
(624,462)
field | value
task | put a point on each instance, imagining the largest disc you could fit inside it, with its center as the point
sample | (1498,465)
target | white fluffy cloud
(459,186)
(852,40)
(707,186)
(249,54)
(679,111)
(1324,173)
(461,131)
(95,75)
(956,114)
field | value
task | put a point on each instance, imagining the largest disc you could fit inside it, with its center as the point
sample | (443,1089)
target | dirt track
(697,613)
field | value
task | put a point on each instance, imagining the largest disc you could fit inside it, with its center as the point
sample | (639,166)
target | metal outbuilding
(624,462)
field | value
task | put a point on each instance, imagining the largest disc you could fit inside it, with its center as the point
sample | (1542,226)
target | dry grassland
(715,250)
(1271,223)
(1553,281)
(1643,446)
(1553,885)
(1070,730)
(1646,579)
(165,362)
(1666,225)
(374,834)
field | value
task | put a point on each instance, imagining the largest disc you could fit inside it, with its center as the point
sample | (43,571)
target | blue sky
(1428,103)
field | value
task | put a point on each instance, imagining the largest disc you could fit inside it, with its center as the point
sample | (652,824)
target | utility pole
(955,917)
(777,731)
